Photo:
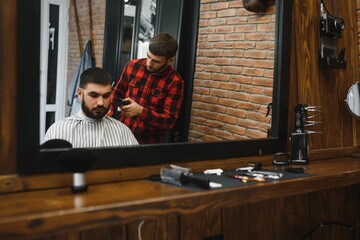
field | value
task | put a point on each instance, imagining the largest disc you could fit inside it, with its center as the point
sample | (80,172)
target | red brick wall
(234,72)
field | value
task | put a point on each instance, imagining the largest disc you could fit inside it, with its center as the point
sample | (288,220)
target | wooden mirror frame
(30,160)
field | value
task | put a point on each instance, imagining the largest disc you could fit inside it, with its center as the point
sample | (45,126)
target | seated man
(91,127)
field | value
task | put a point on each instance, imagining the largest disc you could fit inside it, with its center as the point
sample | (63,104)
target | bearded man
(90,127)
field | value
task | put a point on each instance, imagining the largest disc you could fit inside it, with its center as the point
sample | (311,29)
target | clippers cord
(323,224)
(139,229)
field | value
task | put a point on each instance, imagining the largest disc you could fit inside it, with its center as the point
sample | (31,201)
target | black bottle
(299,143)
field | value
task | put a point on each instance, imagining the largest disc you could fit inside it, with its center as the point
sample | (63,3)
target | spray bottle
(307,118)
(299,140)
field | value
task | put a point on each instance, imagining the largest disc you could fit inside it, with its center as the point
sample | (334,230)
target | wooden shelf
(50,212)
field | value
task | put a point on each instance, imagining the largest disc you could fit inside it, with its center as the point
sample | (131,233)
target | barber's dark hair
(95,75)
(163,44)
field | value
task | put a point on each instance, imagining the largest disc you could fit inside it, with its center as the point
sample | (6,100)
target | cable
(323,224)
(139,229)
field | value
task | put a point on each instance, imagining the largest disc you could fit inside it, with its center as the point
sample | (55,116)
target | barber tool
(281,160)
(299,138)
(118,103)
(124,102)
(266,174)
(255,165)
(244,177)
(182,169)
(78,161)
(251,166)
(216,171)
(259,173)
(180,176)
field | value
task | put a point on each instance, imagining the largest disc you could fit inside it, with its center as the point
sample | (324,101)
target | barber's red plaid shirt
(160,94)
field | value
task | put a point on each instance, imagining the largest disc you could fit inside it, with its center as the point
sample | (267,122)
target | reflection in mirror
(86,26)
(66,51)
(353,100)
(90,127)
(187,16)
(233,84)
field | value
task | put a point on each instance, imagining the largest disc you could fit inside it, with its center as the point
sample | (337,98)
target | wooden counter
(51,212)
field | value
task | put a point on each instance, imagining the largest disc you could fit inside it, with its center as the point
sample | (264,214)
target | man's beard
(95,113)
(152,70)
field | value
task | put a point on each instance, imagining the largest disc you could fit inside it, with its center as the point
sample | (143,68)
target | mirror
(353,100)
(31,160)
(353,105)
(225,105)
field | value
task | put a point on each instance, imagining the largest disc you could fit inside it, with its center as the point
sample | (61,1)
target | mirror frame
(30,160)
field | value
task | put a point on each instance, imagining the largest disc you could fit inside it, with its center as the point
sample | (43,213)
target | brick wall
(98,18)
(234,72)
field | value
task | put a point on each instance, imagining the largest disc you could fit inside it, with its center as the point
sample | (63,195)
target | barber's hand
(132,109)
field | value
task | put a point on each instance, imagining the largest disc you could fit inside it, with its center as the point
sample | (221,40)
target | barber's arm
(118,94)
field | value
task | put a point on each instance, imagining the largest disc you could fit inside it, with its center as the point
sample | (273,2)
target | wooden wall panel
(165,228)
(325,209)
(262,220)
(297,215)
(236,222)
(109,233)
(283,218)
(267,219)
(207,223)
(66,236)
(327,87)
(7,86)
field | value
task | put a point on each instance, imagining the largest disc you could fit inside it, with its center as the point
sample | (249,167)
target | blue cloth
(86,61)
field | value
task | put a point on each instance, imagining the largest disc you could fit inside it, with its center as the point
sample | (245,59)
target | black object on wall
(331,28)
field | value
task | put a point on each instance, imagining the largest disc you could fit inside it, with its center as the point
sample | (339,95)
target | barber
(151,92)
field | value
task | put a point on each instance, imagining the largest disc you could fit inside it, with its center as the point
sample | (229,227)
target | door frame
(60,102)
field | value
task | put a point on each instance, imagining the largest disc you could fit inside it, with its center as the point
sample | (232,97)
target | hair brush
(178,177)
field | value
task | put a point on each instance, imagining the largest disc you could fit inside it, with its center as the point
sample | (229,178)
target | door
(54,31)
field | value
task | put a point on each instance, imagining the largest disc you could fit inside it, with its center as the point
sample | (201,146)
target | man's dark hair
(95,75)
(163,44)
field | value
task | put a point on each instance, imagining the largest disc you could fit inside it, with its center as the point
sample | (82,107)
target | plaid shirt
(160,94)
